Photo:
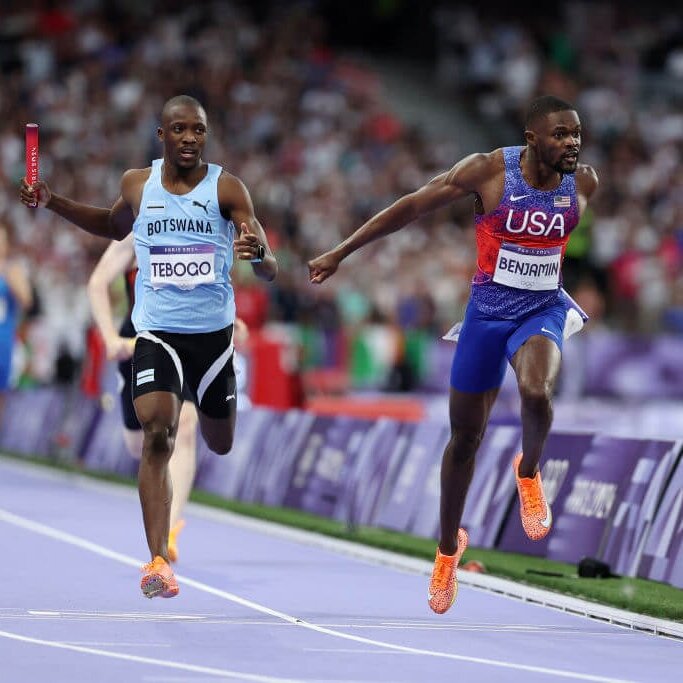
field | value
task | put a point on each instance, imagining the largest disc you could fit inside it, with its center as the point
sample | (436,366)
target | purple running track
(256,606)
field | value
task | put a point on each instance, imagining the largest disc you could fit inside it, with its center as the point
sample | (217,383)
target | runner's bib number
(527,268)
(183,267)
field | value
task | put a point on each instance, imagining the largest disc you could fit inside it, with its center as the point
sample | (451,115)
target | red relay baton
(31,153)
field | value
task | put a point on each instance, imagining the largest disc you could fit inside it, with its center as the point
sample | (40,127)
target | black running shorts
(130,420)
(201,364)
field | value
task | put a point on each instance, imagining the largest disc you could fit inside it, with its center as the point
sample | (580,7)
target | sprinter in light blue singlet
(527,201)
(188,218)
(183,246)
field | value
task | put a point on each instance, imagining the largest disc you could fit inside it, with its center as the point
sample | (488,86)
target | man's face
(183,132)
(557,139)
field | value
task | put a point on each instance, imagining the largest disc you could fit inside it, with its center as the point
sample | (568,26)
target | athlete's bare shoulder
(476,169)
(228,178)
(135,176)
(586,179)
(482,163)
(132,182)
(231,189)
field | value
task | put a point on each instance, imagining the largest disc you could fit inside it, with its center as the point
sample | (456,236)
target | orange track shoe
(173,540)
(158,579)
(533,506)
(444,585)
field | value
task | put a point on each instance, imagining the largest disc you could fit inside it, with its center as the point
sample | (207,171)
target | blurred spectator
(620,63)
(309,130)
(15,298)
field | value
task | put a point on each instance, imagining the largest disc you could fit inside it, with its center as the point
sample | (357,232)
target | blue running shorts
(486,344)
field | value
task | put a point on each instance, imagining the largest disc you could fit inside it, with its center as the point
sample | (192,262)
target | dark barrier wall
(662,558)
(593,481)
(617,499)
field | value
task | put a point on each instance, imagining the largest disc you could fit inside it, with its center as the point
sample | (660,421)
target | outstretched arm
(236,203)
(113,223)
(463,179)
(113,262)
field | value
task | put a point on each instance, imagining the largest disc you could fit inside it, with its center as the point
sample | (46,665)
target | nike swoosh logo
(430,596)
(518,197)
(545,329)
(545,523)
(227,398)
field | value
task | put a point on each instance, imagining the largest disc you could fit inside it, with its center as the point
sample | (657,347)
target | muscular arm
(465,178)
(236,203)
(113,262)
(113,223)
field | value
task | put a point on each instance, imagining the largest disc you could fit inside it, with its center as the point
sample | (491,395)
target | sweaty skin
(183,133)
(552,146)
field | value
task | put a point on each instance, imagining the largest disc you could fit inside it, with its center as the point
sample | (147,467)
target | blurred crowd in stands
(309,130)
(621,63)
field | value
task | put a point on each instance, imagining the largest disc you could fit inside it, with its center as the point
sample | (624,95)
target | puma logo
(204,206)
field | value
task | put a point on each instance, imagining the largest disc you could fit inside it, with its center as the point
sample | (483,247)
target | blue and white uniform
(183,247)
(184,303)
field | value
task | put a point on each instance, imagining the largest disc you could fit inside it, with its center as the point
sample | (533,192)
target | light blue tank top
(183,247)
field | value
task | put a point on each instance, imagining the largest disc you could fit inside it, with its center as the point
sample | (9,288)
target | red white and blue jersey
(521,244)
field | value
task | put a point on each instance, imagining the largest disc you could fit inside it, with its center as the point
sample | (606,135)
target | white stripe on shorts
(211,374)
(171,352)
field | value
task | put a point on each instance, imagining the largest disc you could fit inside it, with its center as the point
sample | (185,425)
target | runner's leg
(469,414)
(158,413)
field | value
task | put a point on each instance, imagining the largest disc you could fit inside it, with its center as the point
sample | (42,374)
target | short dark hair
(546,104)
(180,100)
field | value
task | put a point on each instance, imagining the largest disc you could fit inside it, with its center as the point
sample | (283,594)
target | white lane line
(88,643)
(223,673)
(113,616)
(97,549)
(612,617)
(351,651)
(552,630)
(185,679)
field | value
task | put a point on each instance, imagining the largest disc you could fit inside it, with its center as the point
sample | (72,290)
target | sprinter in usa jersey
(188,218)
(527,202)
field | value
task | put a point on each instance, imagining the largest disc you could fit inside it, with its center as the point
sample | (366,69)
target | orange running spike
(443,586)
(173,540)
(158,579)
(534,510)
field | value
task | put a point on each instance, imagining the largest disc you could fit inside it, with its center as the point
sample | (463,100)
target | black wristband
(260,254)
